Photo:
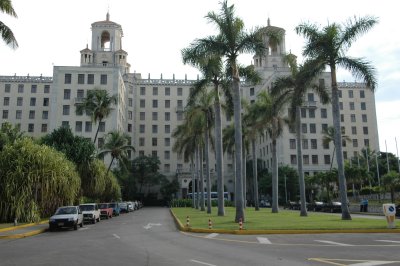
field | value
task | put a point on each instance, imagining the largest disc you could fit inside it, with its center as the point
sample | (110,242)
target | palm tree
(329,136)
(5,32)
(294,88)
(117,145)
(231,41)
(327,47)
(99,105)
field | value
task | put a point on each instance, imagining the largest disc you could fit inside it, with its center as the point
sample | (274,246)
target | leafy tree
(99,104)
(9,134)
(391,181)
(169,188)
(145,170)
(6,33)
(327,47)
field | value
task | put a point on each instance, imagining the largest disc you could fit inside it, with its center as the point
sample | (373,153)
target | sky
(52,33)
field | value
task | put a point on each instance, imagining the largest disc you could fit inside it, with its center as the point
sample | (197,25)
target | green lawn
(265,220)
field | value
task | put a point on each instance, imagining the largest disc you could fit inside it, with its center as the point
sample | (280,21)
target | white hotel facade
(150,109)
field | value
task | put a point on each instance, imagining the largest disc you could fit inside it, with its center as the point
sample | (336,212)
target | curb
(277,231)
(17,236)
(21,226)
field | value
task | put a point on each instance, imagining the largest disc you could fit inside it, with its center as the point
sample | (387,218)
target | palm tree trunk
(109,167)
(197,178)
(202,203)
(238,146)
(193,183)
(275,197)
(333,156)
(338,142)
(219,158)
(97,132)
(255,181)
(208,178)
(244,179)
(303,209)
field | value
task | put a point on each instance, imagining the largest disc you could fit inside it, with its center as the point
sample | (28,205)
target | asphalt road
(149,237)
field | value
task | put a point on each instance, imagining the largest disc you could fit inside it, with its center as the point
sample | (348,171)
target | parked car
(333,206)
(91,212)
(66,216)
(123,207)
(265,204)
(115,207)
(105,211)
(398,210)
(316,206)
(130,206)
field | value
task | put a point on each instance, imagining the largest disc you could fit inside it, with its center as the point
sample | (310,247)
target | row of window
(154,129)
(154,116)
(363,106)
(351,93)
(167,103)
(21,87)
(154,141)
(89,80)
(167,91)
(18,114)
(20,101)
(325,145)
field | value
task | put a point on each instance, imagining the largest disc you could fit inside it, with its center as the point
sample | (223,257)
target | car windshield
(123,205)
(66,210)
(112,205)
(103,206)
(87,207)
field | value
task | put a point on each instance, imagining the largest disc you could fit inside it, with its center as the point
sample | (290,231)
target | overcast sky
(53,32)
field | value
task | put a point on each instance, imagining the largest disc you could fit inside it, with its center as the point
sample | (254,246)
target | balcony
(310,104)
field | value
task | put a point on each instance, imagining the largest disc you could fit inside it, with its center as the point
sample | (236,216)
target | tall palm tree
(6,33)
(231,41)
(327,47)
(117,145)
(99,104)
(294,87)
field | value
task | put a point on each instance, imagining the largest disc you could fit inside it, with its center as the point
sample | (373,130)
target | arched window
(105,41)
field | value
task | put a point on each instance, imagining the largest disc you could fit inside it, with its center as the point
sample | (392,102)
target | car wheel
(98,219)
(76,226)
(81,224)
(94,221)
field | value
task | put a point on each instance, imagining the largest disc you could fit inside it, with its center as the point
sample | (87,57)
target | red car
(106,211)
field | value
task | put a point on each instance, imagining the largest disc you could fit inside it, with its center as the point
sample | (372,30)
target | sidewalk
(25,230)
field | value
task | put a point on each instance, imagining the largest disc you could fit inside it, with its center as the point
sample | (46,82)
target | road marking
(83,228)
(150,225)
(211,235)
(116,236)
(334,243)
(343,262)
(204,263)
(263,240)
(390,241)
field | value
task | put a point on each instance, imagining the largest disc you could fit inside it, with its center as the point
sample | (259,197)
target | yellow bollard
(209,224)
(187,221)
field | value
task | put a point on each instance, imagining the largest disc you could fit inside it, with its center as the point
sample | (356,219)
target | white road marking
(334,243)
(83,228)
(211,235)
(263,240)
(372,263)
(353,262)
(204,263)
(150,225)
(390,241)
(116,236)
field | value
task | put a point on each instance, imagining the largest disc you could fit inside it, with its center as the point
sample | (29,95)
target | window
(142,103)
(344,143)
(155,116)
(31,127)
(67,78)
(66,110)
(46,88)
(355,143)
(31,114)
(351,105)
(45,115)
(33,88)
(167,168)
(345,155)
(304,128)
(130,102)
(341,105)
(129,127)
(343,130)
(167,91)
(293,159)
(341,117)
(251,91)
(45,101)
(7,88)
(44,127)
(167,116)
(306,159)
(362,94)
(130,115)
(354,130)
(67,94)
(20,88)
(90,79)
(314,144)
(311,113)
(167,129)
(310,97)
(363,106)
(324,127)
(142,116)
(142,91)
(33,102)
(366,142)
(78,126)
(6,101)
(365,130)
(292,143)
(88,126)
(313,128)
(154,129)
(81,78)
(167,155)
(141,153)
(5,114)
(327,159)
(18,114)
(364,118)
(179,116)
(102,126)
(351,95)
(155,91)
(303,112)
(100,142)
(179,91)
(65,124)
(19,101)
(103,79)
(141,142)
(154,142)
(167,103)
(314,159)
(155,103)
(305,144)
(353,118)
(167,142)
(325,145)
(324,113)
(142,128)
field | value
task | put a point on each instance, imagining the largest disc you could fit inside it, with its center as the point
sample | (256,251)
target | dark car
(398,210)
(316,206)
(333,206)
